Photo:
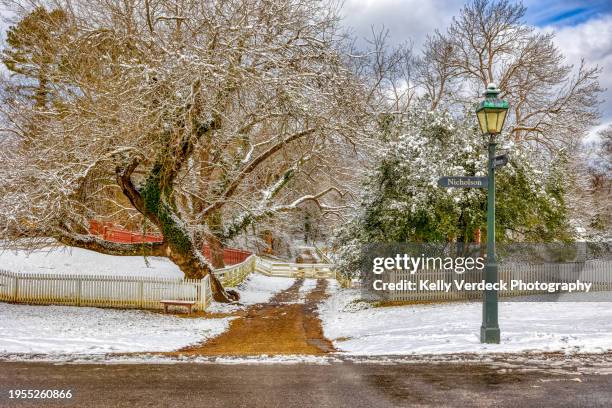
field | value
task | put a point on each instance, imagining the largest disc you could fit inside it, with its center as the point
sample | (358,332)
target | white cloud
(405,19)
(591,40)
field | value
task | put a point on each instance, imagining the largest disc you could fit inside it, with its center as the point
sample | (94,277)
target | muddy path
(287,324)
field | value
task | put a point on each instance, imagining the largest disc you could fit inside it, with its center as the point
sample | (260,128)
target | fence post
(16,288)
(141,293)
(199,292)
(79,288)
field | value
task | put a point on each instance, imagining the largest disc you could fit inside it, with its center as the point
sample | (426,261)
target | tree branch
(250,217)
(124,179)
(94,243)
(252,166)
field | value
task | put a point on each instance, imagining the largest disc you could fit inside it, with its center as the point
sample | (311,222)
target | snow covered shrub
(402,201)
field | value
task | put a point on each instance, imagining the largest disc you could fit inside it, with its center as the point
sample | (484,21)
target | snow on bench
(189,304)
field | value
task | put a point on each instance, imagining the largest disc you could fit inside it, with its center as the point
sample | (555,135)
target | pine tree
(32,53)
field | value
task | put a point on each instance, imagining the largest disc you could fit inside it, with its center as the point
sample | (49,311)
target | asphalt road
(345,384)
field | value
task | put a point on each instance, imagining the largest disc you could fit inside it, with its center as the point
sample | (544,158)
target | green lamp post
(491,113)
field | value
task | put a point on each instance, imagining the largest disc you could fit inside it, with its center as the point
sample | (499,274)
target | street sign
(500,161)
(463,182)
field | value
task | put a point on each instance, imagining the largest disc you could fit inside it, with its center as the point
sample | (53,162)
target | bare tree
(601,161)
(437,75)
(552,103)
(388,70)
(202,114)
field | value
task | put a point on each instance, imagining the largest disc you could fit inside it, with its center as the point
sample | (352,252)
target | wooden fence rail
(111,232)
(270,267)
(231,276)
(146,292)
(115,291)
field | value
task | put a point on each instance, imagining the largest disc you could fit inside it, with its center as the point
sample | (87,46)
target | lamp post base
(489,335)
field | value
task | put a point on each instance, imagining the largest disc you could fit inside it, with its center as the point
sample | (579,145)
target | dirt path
(285,325)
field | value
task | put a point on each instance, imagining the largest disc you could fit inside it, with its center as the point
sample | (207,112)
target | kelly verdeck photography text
(440,285)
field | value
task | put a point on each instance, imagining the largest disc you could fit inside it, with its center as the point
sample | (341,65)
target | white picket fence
(599,273)
(270,267)
(233,275)
(140,292)
(115,291)
(101,291)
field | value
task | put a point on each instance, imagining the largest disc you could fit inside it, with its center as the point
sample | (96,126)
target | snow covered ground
(454,327)
(307,287)
(86,330)
(255,289)
(68,260)
(259,288)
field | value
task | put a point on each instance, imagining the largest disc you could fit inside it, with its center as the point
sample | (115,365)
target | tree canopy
(196,118)
(402,201)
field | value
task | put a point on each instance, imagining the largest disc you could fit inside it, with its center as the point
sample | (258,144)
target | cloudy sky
(583,29)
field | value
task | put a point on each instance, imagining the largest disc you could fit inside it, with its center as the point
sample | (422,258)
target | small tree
(598,211)
(33,52)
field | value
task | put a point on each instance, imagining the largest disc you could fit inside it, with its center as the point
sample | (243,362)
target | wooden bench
(189,304)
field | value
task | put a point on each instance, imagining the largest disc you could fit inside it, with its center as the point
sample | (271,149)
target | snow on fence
(102,291)
(597,272)
(115,291)
(270,267)
(233,275)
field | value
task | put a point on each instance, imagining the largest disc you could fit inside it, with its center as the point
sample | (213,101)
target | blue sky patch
(565,12)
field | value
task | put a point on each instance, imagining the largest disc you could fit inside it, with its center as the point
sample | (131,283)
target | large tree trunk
(154,201)
(194,266)
(214,243)
(180,243)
